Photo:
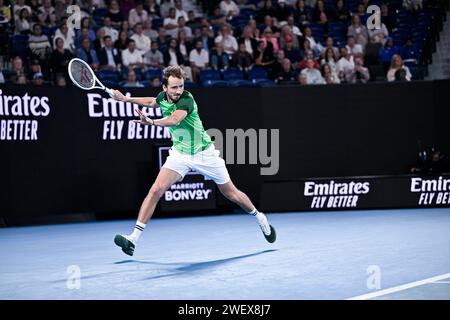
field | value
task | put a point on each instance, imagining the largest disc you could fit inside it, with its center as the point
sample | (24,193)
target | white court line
(400,288)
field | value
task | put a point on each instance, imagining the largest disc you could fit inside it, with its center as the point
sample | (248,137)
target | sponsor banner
(194,192)
(358,193)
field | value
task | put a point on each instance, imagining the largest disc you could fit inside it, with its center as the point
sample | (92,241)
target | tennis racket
(84,77)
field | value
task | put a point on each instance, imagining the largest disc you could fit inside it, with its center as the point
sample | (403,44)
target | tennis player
(192,149)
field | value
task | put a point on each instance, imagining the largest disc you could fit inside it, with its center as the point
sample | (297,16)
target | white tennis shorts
(207,162)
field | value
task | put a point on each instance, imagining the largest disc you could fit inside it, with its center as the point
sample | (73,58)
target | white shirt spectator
(69,43)
(181,13)
(131,57)
(383,30)
(171,32)
(201,59)
(357,48)
(110,31)
(226,7)
(313,76)
(230,44)
(18,8)
(391,74)
(143,42)
(345,65)
(134,18)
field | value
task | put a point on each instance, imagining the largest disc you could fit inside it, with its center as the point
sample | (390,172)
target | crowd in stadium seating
(234,43)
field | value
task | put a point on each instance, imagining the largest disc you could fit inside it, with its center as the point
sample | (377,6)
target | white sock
(259,216)
(137,231)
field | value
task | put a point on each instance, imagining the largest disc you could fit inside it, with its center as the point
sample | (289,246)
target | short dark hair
(174,71)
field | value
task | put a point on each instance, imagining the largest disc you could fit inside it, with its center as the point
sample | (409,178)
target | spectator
(148,31)
(320,14)
(22,23)
(397,64)
(359,74)
(329,76)
(16,68)
(330,59)
(173,56)
(87,54)
(292,53)
(353,47)
(217,18)
(20,79)
(329,44)
(413,5)
(162,38)
(359,31)
(171,23)
(341,13)
(277,66)
(193,23)
(125,26)
(361,13)
(98,43)
(228,41)
(387,52)
(267,11)
(304,63)
(313,75)
(35,70)
(179,12)
(109,57)
(293,28)
(86,24)
(67,35)
(199,59)
(287,75)
(206,37)
(315,46)
(302,13)
(302,79)
(131,80)
(38,43)
(154,58)
(386,18)
(46,14)
(229,8)
(115,14)
(184,45)
(109,30)
(345,64)
(155,82)
(219,59)
(20,4)
(142,41)
(282,11)
(248,41)
(60,58)
(372,51)
(137,15)
(183,28)
(165,6)
(287,35)
(242,59)
(269,23)
(152,8)
(268,37)
(382,32)
(122,42)
(409,52)
(264,56)
(126,6)
(132,57)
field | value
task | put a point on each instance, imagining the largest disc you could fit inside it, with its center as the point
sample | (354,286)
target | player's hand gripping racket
(84,77)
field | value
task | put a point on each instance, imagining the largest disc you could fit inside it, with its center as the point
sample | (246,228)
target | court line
(400,288)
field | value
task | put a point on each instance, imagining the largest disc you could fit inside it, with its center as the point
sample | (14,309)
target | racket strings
(82,75)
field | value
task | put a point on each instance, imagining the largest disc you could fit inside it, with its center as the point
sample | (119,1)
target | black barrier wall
(64,150)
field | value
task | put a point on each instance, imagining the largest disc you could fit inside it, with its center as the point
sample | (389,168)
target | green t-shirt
(189,136)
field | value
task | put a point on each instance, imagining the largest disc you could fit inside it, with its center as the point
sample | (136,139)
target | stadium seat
(214,83)
(153,72)
(209,75)
(257,73)
(233,74)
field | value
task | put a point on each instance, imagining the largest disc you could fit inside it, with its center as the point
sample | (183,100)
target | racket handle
(110,92)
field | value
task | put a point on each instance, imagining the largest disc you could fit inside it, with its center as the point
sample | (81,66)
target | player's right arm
(144,101)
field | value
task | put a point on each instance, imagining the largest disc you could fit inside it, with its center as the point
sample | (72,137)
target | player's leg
(164,180)
(235,195)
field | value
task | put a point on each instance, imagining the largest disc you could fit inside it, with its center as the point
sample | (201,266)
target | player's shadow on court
(189,267)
